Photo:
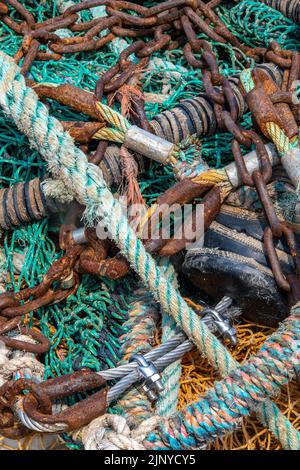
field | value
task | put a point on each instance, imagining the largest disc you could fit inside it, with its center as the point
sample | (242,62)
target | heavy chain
(220,91)
(170,24)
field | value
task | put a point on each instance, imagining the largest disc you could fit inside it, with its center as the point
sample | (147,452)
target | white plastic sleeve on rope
(291,163)
(147,144)
(252,163)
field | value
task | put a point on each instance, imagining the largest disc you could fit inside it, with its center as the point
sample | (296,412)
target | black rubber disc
(252,287)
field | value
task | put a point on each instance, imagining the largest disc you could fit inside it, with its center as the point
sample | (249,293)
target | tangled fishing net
(85,330)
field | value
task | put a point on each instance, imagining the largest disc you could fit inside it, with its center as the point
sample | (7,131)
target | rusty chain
(170,24)
(178,18)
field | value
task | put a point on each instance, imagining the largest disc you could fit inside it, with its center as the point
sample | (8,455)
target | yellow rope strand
(112,117)
(112,135)
(211,176)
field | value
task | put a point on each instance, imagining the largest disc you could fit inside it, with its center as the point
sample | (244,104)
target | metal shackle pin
(291,163)
(79,236)
(152,385)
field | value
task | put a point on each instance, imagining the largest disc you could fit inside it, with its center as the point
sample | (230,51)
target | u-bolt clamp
(152,385)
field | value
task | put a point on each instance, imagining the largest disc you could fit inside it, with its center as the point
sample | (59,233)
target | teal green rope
(87,183)
(230,400)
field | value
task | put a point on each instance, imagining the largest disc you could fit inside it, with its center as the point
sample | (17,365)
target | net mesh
(84,330)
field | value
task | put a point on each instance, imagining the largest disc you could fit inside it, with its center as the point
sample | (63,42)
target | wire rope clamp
(152,385)
(222,324)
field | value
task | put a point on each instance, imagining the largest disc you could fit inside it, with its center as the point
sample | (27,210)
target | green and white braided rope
(167,403)
(85,180)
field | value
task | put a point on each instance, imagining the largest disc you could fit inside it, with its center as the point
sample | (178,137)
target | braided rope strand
(112,117)
(168,400)
(289,8)
(69,164)
(141,326)
(223,407)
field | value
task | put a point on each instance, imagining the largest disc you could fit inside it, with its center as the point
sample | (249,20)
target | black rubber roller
(289,8)
(234,262)
(252,286)
(196,115)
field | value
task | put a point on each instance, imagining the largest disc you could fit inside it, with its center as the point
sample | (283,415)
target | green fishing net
(84,330)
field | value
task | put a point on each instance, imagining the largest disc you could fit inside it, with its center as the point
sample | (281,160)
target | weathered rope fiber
(69,164)
(111,432)
(138,339)
(14,362)
(222,408)
(245,388)
(167,403)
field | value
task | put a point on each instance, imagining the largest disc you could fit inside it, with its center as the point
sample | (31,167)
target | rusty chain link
(162,22)
(169,24)
(219,90)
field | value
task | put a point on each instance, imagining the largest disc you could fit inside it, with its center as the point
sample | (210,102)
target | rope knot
(111,432)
